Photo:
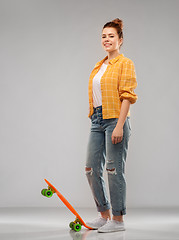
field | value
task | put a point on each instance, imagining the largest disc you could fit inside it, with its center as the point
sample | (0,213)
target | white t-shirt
(97,98)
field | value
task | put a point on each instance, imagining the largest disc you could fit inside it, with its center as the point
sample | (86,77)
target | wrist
(119,125)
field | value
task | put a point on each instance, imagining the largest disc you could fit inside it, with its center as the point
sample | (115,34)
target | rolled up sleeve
(127,82)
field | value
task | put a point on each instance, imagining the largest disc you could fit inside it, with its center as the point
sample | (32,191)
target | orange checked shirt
(117,83)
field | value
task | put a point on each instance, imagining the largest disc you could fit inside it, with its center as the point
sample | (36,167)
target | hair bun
(119,22)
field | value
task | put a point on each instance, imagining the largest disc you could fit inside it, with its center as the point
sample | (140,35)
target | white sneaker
(112,226)
(97,223)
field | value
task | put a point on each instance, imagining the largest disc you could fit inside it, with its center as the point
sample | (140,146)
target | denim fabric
(101,150)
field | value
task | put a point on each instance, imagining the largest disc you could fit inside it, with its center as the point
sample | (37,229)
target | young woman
(111,91)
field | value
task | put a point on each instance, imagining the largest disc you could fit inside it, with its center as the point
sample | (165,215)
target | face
(110,40)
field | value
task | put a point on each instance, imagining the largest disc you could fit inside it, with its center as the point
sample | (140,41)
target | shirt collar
(112,61)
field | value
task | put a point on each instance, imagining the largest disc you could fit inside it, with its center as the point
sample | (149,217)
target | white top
(97,98)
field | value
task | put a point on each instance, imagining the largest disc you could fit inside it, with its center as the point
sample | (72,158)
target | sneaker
(112,226)
(97,223)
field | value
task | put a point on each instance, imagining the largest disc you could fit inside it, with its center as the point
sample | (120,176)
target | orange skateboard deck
(75,225)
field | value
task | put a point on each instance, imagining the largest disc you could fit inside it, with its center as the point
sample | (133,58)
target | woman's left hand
(117,135)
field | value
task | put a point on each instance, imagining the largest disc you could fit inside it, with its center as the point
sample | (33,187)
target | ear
(120,41)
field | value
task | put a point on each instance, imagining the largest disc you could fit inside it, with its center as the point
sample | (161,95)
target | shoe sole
(107,231)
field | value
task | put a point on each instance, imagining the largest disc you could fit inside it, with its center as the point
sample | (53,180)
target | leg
(116,157)
(94,168)
(106,214)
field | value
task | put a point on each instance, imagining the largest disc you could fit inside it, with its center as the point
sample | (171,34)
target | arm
(123,113)
(117,134)
(127,96)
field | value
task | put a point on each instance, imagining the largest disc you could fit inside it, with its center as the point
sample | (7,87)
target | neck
(113,54)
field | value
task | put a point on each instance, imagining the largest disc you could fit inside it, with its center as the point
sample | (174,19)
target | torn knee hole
(111,171)
(89,170)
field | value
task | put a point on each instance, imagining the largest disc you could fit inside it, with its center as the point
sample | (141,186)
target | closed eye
(110,36)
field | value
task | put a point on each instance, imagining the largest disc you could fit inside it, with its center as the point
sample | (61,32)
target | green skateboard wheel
(71,225)
(77,227)
(47,192)
(42,192)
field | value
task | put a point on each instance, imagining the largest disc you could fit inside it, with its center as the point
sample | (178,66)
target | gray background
(47,52)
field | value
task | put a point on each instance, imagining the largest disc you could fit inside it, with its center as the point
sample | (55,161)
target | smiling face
(110,40)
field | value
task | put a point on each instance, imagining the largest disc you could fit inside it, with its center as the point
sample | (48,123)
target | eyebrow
(109,33)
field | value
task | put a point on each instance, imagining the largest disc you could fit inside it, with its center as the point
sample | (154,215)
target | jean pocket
(111,121)
(114,120)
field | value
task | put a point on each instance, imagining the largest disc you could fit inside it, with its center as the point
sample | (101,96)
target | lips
(107,45)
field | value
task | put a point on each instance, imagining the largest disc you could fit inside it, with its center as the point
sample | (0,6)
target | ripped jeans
(101,148)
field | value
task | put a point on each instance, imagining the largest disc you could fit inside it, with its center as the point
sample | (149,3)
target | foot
(112,226)
(97,223)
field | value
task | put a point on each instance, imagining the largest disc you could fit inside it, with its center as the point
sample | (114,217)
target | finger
(117,140)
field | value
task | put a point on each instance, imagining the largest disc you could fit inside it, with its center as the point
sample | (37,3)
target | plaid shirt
(117,83)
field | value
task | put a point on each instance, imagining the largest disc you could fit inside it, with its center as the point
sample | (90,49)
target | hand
(117,135)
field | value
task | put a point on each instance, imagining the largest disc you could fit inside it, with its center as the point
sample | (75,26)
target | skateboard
(75,225)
